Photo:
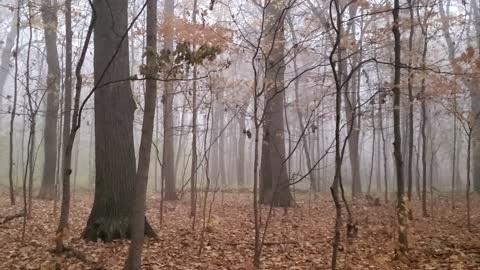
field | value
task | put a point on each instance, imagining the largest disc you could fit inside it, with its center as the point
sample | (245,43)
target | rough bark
(50,20)
(168,171)
(274,182)
(111,213)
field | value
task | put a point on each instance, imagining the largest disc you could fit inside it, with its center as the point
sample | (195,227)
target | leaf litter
(299,239)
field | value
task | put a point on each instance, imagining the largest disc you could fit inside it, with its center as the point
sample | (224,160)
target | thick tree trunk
(50,20)
(274,182)
(351,100)
(111,214)
(168,171)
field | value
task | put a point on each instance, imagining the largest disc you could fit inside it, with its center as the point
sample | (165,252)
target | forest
(240,134)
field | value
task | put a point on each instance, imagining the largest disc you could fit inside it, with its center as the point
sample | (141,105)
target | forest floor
(301,239)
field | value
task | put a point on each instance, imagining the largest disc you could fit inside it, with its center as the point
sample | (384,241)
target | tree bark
(410,104)
(397,144)
(168,171)
(111,214)
(134,259)
(7,51)
(475,107)
(50,20)
(274,182)
(15,96)
(241,149)
(351,100)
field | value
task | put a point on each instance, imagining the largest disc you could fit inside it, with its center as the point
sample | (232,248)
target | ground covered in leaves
(299,239)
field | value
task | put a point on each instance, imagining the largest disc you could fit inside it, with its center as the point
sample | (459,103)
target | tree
(397,143)
(475,106)
(351,100)
(274,181)
(50,21)
(111,214)
(7,52)
(134,259)
(168,170)
(15,95)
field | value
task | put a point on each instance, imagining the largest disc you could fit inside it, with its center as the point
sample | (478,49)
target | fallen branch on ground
(12,217)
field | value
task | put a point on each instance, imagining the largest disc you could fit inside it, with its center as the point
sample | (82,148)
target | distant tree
(50,21)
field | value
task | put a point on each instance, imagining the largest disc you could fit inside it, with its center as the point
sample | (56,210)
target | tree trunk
(373,150)
(410,103)
(221,139)
(424,119)
(50,20)
(134,259)
(15,96)
(475,106)
(241,149)
(168,171)
(397,144)
(193,168)
(274,182)
(306,146)
(111,214)
(7,51)
(351,111)
(385,155)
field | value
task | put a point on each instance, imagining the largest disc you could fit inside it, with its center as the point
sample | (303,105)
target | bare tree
(50,20)
(397,144)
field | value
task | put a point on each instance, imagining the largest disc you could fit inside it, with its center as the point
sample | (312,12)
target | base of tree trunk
(171,196)
(109,229)
(280,199)
(46,194)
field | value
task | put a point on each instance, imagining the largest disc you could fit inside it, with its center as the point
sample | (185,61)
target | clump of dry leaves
(301,239)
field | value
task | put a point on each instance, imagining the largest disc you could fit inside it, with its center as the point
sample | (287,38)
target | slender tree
(134,259)
(397,144)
